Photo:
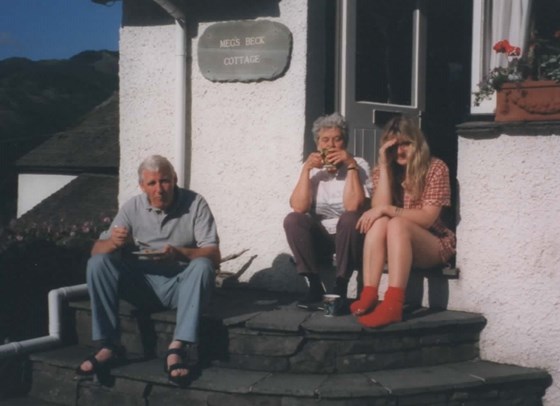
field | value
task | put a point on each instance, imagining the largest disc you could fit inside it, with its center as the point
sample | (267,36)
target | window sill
(493,129)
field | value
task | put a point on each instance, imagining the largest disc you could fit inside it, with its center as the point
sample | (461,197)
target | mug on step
(332,305)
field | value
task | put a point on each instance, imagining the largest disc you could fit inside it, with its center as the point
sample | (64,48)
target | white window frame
(479,28)
(482,39)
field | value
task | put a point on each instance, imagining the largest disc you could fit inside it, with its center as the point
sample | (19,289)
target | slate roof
(86,198)
(91,146)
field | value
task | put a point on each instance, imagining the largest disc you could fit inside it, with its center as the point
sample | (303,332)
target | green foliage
(550,67)
(58,232)
(540,62)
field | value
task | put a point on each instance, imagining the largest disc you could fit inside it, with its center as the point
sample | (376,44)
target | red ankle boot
(367,301)
(389,311)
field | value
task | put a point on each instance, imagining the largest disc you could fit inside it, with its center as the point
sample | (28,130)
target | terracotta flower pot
(530,100)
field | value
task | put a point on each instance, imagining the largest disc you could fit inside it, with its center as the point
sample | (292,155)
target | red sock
(389,311)
(367,301)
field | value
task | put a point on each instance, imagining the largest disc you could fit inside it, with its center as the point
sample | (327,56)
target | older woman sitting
(327,202)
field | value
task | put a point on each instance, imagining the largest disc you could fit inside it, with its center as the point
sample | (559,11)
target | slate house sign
(244,51)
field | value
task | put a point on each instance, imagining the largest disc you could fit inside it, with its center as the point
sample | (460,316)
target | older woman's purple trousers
(313,247)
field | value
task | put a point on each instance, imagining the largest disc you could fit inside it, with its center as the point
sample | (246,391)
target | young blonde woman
(403,228)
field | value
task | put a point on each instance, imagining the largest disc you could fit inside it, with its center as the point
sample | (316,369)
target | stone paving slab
(286,320)
(350,386)
(491,372)
(429,318)
(240,319)
(422,379)
(27,401)
(231,304)
(273,346)
(229,380)
(300,385)
(71,356)
(426,318)
(211,379)
(64,356)
(319,323)
(254,363)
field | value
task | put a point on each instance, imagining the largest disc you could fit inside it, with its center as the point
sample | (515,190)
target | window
(494,20)
(384,49)
(514,20)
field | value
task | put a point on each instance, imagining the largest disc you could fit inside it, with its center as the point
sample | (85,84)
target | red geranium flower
(541,62)
(504,47)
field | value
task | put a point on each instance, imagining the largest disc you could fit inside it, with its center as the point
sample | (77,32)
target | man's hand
(185,254)
(118,239)
(119,236)
(170,253)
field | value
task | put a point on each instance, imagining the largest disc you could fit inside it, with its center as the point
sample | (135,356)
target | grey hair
(155,163)
(334,120)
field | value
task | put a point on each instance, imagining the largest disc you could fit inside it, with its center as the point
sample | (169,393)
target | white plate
(148,253)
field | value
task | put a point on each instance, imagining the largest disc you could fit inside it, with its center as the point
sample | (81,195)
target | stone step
(143,382)
(266,331)
(25,401)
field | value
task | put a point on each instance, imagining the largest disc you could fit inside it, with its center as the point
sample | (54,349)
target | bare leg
(409,244)
(375,248)
(375,252)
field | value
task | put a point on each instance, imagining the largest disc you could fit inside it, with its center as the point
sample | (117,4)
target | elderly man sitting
(179,243)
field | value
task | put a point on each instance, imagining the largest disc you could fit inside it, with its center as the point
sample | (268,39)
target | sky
(57,29)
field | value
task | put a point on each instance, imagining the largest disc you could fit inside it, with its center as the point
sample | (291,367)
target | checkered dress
(437,192)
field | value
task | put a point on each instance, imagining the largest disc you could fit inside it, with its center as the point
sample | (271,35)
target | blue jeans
(186,288)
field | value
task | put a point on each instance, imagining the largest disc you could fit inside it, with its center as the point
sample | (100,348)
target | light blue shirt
(187,223)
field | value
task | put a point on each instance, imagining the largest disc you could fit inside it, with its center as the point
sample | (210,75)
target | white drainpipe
(181,88)
(181,102)
(56,297)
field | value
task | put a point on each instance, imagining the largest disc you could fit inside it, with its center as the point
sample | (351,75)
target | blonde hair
(406,127)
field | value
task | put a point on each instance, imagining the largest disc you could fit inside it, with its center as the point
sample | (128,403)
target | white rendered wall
(34,188)
(246,141)
(247,146)
(147,103)
(509,248)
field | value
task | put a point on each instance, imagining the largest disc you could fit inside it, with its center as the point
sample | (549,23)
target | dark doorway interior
(447,80)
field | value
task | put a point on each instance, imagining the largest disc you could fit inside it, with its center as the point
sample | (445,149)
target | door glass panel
(384,54)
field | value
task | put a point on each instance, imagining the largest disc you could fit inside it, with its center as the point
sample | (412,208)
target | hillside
(41,98)
(38,98)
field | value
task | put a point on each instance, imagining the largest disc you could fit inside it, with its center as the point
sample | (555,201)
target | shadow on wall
(281,276)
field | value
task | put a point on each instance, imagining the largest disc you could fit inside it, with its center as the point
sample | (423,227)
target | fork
(142,244)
